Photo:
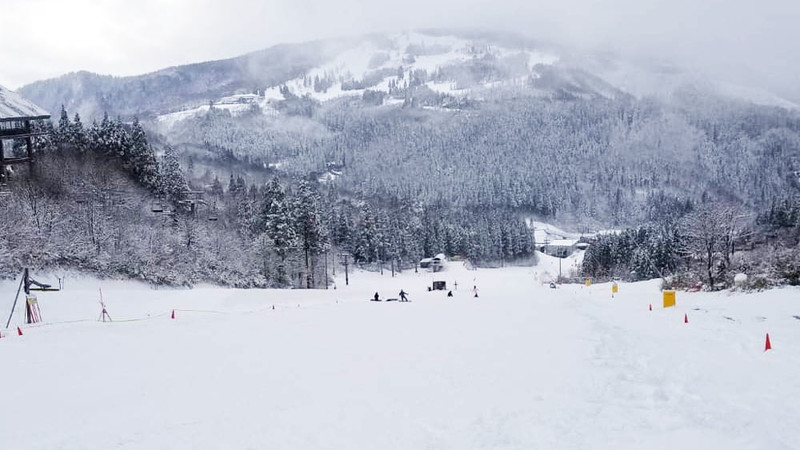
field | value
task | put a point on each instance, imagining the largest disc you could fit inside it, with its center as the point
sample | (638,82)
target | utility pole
(346,273)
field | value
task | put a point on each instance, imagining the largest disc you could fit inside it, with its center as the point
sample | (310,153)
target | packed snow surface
(522,366)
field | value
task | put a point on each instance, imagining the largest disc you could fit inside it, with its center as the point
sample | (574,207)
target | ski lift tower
(18,121)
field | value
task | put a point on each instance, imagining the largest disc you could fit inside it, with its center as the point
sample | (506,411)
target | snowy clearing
(522,366)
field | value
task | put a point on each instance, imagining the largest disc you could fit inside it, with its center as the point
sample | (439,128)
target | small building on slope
(561,247)
(19,120)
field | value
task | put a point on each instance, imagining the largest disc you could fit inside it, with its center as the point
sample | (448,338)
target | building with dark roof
(19,118)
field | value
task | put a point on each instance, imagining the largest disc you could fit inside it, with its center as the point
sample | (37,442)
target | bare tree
(710,235)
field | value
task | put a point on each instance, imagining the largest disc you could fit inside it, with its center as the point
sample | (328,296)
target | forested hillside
(99,199)
(596,161)
(393,148)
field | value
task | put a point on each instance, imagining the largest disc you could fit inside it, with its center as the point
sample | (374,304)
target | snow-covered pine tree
(173,183)
(76,134)
(311,232)
(216,189)
(142,158)
(275,222)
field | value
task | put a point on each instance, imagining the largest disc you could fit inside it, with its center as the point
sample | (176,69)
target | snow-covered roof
(13,107)
(563,242)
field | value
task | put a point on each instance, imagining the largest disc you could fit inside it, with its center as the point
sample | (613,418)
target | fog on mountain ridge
(736,41)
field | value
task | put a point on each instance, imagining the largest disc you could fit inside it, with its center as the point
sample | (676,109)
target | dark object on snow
(403,297)
(552,285)
(475,291)
(439,285)
(377,298)
(449,293)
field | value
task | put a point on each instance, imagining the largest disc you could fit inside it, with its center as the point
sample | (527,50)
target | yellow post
(614,288)
(587,282)
(669,299)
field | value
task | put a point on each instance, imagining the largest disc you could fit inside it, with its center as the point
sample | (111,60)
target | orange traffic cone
(173,314)
(767,345)
(19,331)
(685,318)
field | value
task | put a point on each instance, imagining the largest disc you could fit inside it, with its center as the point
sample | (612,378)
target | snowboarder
(377,298)
(403,297)
(475,291)
(449,293)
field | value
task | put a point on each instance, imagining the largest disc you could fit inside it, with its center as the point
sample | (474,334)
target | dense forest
(102,199)
(586,161)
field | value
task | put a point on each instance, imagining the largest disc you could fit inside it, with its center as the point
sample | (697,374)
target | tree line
(704,245)
(101,198)
(590,161)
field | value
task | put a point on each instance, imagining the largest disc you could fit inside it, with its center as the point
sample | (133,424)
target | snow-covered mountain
(455,66)
(474,120)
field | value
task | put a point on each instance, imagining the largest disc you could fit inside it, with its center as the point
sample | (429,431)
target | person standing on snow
(475,291)
(377,297)
(403,297)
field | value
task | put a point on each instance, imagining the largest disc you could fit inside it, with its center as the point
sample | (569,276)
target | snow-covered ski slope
(406,53)
(522,366)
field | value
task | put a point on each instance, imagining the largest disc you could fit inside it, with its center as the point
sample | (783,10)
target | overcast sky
(752,41)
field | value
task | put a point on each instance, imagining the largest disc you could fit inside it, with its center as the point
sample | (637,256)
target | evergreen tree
(173,183)
(311,232)
(76,134)
(216,189)
(275,222)
(62,132)
(141,158)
